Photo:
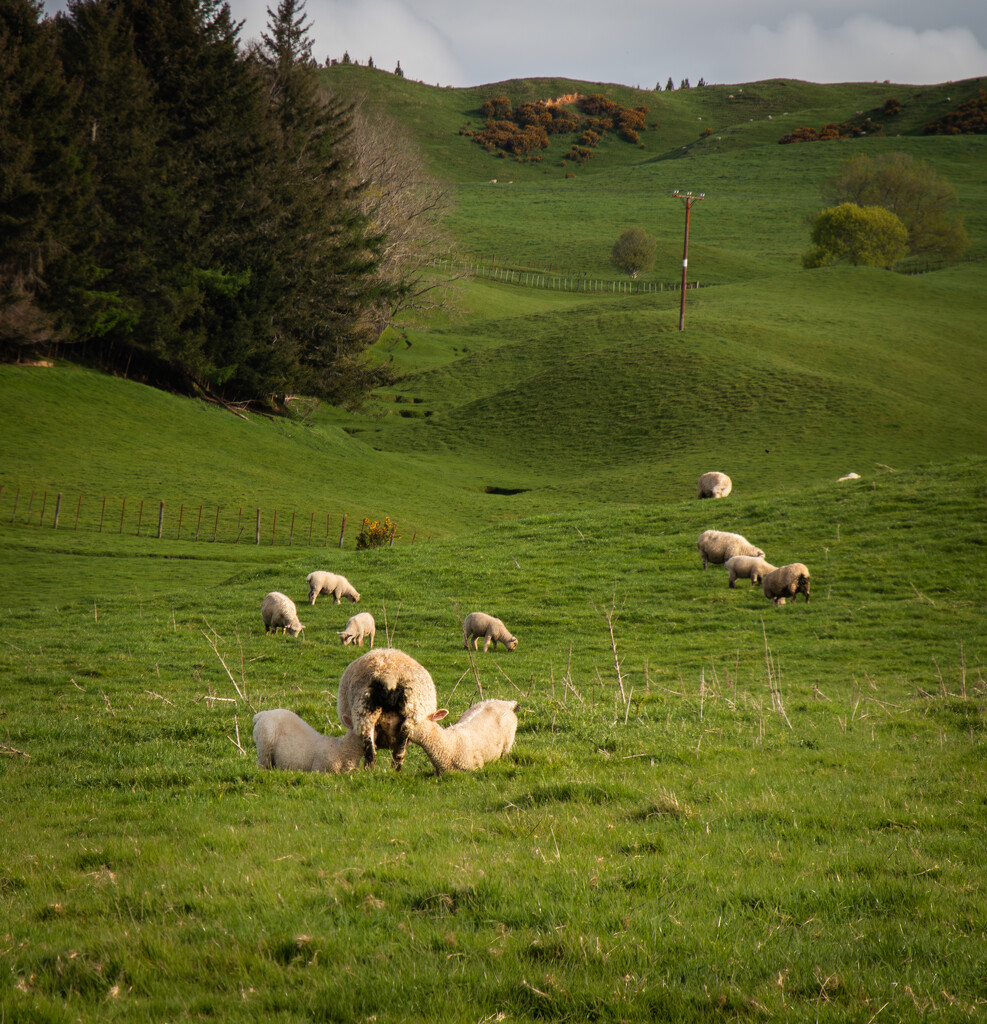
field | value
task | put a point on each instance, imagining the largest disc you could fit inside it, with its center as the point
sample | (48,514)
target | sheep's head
(388,733)
(353,596)
(346,638)
(512,643)
(802,587)
(293,628)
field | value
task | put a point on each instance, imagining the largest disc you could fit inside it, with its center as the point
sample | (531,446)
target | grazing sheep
(849,476)
(747,567)
(717,547)
(359,626)
(787,582)
(320,582)
(478,624)
(278,612)
(284,740)
(484,733)
(714,485)
(381,680)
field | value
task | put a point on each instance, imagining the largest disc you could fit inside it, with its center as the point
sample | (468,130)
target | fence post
(161,520)
(325,543)
(78,509)
(413,536)
(58,509)
(140,516)
(274,529)
(291,529)
(257,538)
(181,516)
(311,523)
(123,509)
(16,496)
(391,545)
(342,530)
(215,525)
(44,503)
(198,523)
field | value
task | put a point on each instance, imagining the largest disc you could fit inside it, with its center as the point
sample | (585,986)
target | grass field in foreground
(781,816)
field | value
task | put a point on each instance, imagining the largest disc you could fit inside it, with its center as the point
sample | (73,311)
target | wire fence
(555,280)
(160,520)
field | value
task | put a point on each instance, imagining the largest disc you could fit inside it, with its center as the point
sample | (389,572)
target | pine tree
(669,85)
(41,193)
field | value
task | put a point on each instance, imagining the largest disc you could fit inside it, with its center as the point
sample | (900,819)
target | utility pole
(687,198)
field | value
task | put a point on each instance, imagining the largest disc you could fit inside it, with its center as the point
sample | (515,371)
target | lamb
(284,740)
(714,485)
(484,733)
(278,612)
(717,547)
(787,582)
(747,567)
(379,681)
(320,582)
(478,624)
(359,626)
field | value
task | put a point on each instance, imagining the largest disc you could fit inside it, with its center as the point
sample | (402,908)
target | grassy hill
(715,808)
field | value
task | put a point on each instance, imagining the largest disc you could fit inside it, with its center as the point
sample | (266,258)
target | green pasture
(715,809)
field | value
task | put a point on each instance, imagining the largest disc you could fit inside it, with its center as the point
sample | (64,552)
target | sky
(645,42)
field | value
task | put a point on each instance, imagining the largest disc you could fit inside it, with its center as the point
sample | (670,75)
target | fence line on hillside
(159,520)
(555,280)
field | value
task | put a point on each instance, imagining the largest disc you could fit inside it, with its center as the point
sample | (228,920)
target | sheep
(320,582)
(849,476)
(384,679)
(278,612)
(787,582)
(484,733)
(284,740)
(359,626)
(714,485)
(746,567)
(478,624)
(717,547)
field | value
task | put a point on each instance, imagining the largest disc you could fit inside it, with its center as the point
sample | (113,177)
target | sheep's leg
(368,726)
(486,646)
(399,752)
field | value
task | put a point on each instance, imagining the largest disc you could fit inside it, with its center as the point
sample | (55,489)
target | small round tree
(867,236)
(634,251)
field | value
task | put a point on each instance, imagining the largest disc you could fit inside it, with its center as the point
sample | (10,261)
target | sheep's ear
(437,716)
(347,721)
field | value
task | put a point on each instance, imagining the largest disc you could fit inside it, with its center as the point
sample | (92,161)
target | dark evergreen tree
(669,85)
(398,70)
(41,195)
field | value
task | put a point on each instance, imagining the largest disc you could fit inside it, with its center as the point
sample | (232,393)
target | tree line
(194,212)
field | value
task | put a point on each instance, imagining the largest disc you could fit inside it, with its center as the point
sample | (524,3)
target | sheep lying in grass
(714,485)
(278,612)
(484,733)
(746,567)
(716,547)
(478,624)
(360,625)
(382,680)
(284,740)
(787,582)
(320,582)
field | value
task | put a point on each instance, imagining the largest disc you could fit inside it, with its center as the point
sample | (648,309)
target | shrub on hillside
(496,109)
(969,118)
(375,534)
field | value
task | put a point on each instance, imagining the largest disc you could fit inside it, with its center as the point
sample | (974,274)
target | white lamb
(478,624)
(320,582)
(360,625)
(484,733)
(278,612)
(284,740)
(716,547)
(714,485)
(746,567)
(382,680)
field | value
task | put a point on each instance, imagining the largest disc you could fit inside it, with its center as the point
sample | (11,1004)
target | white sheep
(278,612)
(786,582)
(484,733)
(284,740)
(478,624)
(360,625)
(849,476)
(747,567)
(716,547)
(714,485)
(384,679)
(320,582)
